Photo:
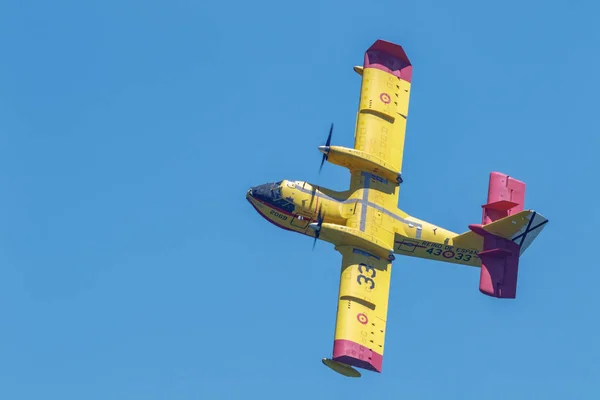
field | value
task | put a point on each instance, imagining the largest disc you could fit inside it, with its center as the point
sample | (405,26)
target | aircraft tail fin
(505,232)
(522,228)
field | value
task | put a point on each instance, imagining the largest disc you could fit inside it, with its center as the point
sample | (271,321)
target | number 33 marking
(362,278)
(367,268)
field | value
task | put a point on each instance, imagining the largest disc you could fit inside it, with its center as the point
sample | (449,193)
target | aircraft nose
(260,192)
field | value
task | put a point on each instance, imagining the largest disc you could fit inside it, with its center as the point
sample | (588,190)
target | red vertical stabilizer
(506,196)
(500,256)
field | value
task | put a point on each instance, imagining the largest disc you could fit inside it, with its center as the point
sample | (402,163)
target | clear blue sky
(132,267)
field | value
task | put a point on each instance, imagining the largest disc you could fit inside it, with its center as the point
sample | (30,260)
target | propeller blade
(312,196)
(317,229)
(322,162)
(325,149)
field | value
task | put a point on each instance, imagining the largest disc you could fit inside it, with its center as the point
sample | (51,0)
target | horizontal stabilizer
(521,228)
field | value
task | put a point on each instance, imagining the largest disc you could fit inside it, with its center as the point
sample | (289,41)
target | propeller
(325,149)
(316,226)
(312,196)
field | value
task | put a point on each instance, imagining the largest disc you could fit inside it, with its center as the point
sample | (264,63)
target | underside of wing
(379,135)
(384,98)
(376,165)
(362,311)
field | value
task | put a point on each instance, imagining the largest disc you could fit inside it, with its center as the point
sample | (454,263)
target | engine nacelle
(359,160)
(341,235)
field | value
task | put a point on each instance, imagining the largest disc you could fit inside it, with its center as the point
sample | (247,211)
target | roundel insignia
(362,318)
(385,98)
(448,253)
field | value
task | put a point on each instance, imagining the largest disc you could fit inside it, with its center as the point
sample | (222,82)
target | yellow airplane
(366,226)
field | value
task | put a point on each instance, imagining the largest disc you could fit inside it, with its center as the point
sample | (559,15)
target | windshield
(276,190)
(277,200)
(271,193)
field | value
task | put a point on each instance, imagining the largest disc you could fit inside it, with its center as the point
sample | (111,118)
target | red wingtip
(389,57)
(392,48)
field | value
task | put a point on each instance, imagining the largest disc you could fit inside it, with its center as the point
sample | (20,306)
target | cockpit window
(271,193)
(277,200)
(276,190)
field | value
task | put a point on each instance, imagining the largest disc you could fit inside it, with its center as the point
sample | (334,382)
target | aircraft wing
(383,110)
(365,278)
(362,309)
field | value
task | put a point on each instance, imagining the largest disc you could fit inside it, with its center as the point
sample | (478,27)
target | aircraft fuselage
(295,205)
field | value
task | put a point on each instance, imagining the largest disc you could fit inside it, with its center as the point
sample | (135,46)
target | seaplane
(369,230)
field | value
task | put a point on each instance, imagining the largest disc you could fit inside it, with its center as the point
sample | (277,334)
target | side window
(284,205)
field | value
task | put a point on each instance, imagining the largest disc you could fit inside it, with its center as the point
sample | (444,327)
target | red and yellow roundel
(362,318)
(385,98)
